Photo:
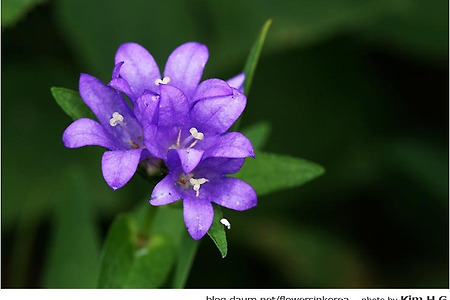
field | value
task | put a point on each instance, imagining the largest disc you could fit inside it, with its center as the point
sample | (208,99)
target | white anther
(225,223)
(197,135)
(116,119)
(165,80)
(196,184)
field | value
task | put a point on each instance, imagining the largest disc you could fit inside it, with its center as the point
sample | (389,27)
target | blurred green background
(360,87)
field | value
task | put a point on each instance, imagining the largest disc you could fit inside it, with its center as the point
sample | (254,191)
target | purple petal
(189,159)
(216,115)
(116,70)
(173,107)
(139,68)
(220,165)
(165,192)
(237,82)
(84,132)
(104,101)
(198,216)
(173,163)
(158,140)
(123,86)
(145,108)
(212,88)
(119,166)
(230,145)
(185,66)
(232,193)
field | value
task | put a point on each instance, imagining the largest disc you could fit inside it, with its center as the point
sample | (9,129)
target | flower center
(196,184)
(165,80)
(188,181)
(117,119)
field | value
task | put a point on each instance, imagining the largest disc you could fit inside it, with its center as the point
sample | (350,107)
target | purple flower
(204,185)
(117,130)
(136,71)
(195,127)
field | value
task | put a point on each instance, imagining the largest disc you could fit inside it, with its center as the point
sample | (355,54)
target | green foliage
(217,232)
(253,57)
(117,253)
(185,258)
(71,103)
(152,264)
(258,133)
(14,10)
(132,260)
(251,63)
(272,172)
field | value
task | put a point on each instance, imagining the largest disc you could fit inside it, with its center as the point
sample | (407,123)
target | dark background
(360,87)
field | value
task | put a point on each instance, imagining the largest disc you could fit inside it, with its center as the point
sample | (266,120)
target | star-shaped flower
(117,129)
(207,183)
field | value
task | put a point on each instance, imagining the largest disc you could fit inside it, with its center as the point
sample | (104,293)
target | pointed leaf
(251,63)
(217,232)
(13,11)
(253,57)
(117,253)
(271,172)
(71,103)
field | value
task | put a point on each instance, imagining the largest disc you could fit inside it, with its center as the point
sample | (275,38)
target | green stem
(146,222)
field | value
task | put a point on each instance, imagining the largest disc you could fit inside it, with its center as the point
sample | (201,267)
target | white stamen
(225,223)
(197,135)
(116,119)
(196,184)
(165,80)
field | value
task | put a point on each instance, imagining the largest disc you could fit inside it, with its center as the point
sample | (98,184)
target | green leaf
(170,221)
(217,232)
(14,10)
(71,103)
(74,251)
(117,253)
(132,260)
(251,63)
(253,57)
(258,134)
(271,172)
(152,264)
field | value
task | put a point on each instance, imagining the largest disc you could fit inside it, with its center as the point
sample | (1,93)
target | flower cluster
(173,119)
